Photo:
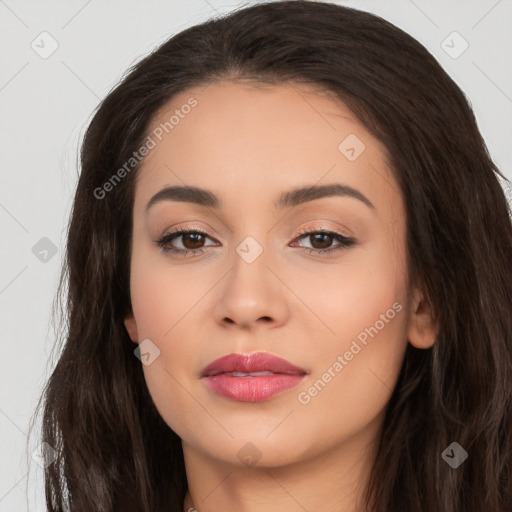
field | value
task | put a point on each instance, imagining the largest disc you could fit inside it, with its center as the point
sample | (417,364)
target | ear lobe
(131,327)
(422,332)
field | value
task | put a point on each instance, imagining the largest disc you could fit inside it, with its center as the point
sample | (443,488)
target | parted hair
(114,451)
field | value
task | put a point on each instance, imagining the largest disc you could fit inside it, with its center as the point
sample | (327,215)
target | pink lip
(251,388)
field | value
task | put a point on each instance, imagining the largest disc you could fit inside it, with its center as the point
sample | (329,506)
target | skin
(247,144)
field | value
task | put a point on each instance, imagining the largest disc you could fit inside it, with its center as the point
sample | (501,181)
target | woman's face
(254,282)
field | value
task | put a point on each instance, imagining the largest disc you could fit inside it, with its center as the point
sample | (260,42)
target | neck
(334,479)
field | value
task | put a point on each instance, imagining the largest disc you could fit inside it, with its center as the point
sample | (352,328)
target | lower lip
(251,389)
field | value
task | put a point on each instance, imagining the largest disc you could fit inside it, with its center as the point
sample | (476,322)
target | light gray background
(46,104)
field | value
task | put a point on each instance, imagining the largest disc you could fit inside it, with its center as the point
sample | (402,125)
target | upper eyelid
(340,238)
(303,231)
(343,241)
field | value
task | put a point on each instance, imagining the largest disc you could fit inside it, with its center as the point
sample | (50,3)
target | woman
(289,281)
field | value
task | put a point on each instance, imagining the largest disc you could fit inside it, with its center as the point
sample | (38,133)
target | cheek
(163,297)
(353,389)
(160,309)
(356,369)
(359,361)
(164,302)
(348,297)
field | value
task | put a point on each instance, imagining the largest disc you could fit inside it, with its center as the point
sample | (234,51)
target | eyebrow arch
(298,196)
(292,197)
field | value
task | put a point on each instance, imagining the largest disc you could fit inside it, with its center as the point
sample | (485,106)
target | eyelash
(344,241)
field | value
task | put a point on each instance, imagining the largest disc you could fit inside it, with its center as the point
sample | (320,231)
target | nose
(252,294)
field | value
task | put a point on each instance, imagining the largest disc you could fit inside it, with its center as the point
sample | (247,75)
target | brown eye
(321,241)
(191,240)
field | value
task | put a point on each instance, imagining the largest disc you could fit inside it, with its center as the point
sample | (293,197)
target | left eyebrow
(286,199)
(304,194)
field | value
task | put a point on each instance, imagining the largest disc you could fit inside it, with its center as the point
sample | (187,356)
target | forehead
(247,136)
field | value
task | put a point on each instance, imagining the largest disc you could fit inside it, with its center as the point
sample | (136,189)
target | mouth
(251,378)
(250,374)
(258,364)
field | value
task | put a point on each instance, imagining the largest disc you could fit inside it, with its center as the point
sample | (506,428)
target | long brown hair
(115,452)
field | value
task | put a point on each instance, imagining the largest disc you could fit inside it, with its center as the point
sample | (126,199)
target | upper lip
(258,362)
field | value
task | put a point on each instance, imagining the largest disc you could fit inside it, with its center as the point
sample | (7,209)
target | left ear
(131,327)
(422,332)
